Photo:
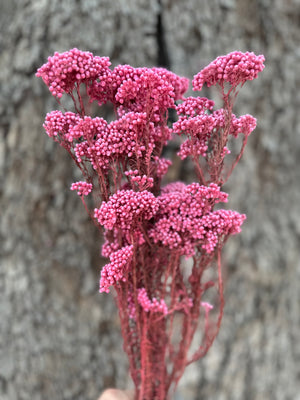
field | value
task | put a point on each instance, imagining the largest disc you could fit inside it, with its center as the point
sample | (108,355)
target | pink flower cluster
(199,126)
(160,165)
(185,219)
(83,188)
(194,122)
(235,68)
(115,271)
(58,125)
(143,182)
(193,106)
(147,92)
(151,305)
(89,129)
(126,208)
(150,90)
(63,70)
(218,225)
(244,124)
(179,83)
(106,143)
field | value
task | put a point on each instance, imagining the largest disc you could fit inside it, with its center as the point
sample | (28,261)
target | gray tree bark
(60,339)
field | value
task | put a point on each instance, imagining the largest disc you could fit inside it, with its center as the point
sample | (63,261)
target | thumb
(115,394)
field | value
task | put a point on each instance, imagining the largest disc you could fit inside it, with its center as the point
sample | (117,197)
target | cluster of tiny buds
(139,89)
(151,305)
(63,70)
(123,73)
(244,124)
(235,68)
(199,126)
(143,182)
(59,124)
(83,188)
(161,165)
(125,208)
(147,90)
(192,106)
(185,219)
(115,271)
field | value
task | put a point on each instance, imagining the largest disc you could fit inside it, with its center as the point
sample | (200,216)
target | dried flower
(151,229)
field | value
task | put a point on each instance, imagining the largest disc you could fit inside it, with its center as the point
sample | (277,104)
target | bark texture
(59,339)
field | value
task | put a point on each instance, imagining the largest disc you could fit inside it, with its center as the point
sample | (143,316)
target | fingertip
(115,394)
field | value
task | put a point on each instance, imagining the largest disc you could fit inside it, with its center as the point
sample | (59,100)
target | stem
(239,156)
(80,99)
(209,340)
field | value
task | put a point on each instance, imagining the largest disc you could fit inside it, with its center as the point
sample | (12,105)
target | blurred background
(59,338)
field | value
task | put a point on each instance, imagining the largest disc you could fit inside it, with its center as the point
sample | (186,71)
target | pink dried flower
(126,208)
(83,188)
(81,151)
(63,70)
(235,68)
(200,125)
(185,219)
(151,305)
(147,92)
(115,270)
(180,84)
(193,106)
(149,228)
(161,166)
(218,225)
(143,182)
(117,140)
(89,129)
(106,89)
(111,243)
(174,187)
(122,73)
(161,134)
(199,128)
(58,125)
(244,124)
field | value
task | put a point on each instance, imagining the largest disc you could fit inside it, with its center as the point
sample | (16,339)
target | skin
(115,394)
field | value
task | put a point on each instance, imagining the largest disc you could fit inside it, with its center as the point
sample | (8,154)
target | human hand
(115,394)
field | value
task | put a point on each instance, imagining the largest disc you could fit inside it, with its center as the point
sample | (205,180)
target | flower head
(185,218)
(83,188)
(114,271)
(125,208)
(58,125)
(235,68)
(63,70)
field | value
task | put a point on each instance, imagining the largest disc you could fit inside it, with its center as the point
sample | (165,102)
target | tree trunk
(60,339)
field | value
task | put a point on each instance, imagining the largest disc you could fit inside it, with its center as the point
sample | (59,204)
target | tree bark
(60,339)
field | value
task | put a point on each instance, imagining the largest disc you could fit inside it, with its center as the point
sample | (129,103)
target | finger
(115,394)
